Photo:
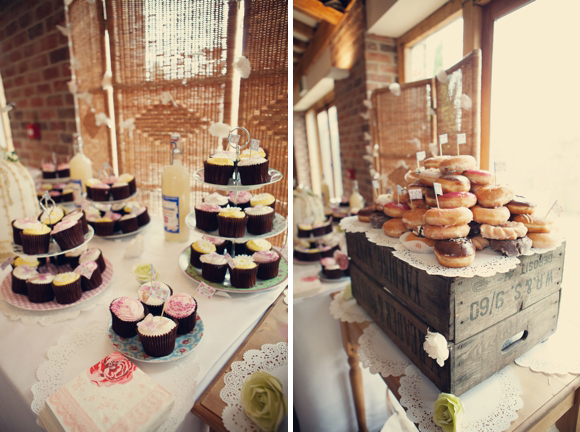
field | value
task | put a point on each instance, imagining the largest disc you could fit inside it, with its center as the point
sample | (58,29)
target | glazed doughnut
(442,233)
(418,204)
(534,224)
(455,253)
(475,187)
(429,176)
(433,162)
(479,177)
(505,231)
(381,201)
(448,217)
(403,198)
(544,240)
(393,209)
(519,205)
(494,195)
(417,244)
(479,242)
(512,248)
(414,218)
(419,185)
(457,199)
(394,227)
(490,216)
(457,164)
(454,183)
(364,214)
(412,176)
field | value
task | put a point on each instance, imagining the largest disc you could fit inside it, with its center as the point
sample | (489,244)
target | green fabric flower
(448,412)
(263,400)
(12,157)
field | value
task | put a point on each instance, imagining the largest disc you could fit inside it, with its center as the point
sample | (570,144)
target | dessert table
(227,321)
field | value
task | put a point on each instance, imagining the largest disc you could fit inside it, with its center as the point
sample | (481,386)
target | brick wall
(301,159)
(34,61)
(380,61)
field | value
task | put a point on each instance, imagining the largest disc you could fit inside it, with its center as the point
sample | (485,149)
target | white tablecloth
(227,321)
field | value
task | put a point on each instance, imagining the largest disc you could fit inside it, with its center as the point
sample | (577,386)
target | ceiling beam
(318,43)
(299,46)
(303,29)
(318,11)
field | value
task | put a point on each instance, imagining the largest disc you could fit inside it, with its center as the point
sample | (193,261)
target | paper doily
(85,347)
(379,354)
(271,358)
(353,225)
(378,237)
(486,263)
(490,406)
(347,310)
(558,355)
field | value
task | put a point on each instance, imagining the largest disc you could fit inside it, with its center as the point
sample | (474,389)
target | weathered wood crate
(476,315)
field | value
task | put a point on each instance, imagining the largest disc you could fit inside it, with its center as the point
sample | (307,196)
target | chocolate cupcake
(63,170)
(248,153)
(91,276)
(218,170)
(217,199)
(19,277)
(265,199)
(213,267)
(206,216)
(219,243)
(67,195)
(67,287)
(143,216)
(48,170)
(89,186)
(104,226)
(268,264)
(199,248)
(239,247)
(78,215)
(182,308)
(95,255)
(330,268)
(232,223)
(129,223)
(328,250)
(302,253)
(51,216)
(20,224)
(153,295)
(253,171)
(100,192)
(322,228)
(244,272)
(120,190)
(157,335)
(260,219)
(305,230)
(68,234)
(126,312)
(35,239)
(40,288)
(258,245)
(242,200)
(130,180)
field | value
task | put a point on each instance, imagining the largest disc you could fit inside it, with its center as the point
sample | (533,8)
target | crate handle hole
(513,341)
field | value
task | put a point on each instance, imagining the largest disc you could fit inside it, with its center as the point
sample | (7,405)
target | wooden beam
(318,11)
(303,29)
(438,19)
(471,26)
(318,43)
(486,56)
(299,46)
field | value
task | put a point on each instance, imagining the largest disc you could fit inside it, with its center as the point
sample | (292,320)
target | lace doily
(490,406)
(378,237)
(271,358)
(379,354)
(486,263)
(353,225)
(558,355)
(347,310)
(80,349)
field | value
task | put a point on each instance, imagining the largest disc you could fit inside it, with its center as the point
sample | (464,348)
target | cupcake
(120,208)
(100,192)
(258,245)
(220,244)
(104,226)
(129,223)
(95,255)
(242,200)
(239,247)
(304,230)
(126,312)
(330,268)
(19,277)
(35,239)
(182,308)
(143,216)
(20,224)
(244,272)
(67,287)
(206,216)
(67,195)
(154,295)
(26,261)
(63,170)
(253,171)
(265,199)
(91,277)
(110,180)
(199,248)
(260,219)
(268,264)
(322,228)
(78,215)
(247,153)
(51,216)
(72,257)
(302,253)
(157,335)
(218,170)
(68,234)
(232,222)
(40,288)
(328,250)
(217,199)
(90,184)
(56,196)
(48,170)
(120,190)
(130,180)
(213,267)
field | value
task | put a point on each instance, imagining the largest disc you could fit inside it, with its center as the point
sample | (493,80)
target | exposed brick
(60,85)
(49,42)
(43,88)
(371,46)
(50,135)
(47,115)
(43,10)
(57,125)
(29,91)
(35,31)
(54,100)
(15,56)
(37,102)
(11,28)
(52,21)
(39,61)
(22,67)
(51,73)
(19,39)
(9,71)
(34,77)
(388,48)
(71,126)
(30,49)
(69,99)
(381,57)
(25,20)
(66,138)
(59,55)
(6,46)
(18,81)
(22,103)
(66,113)
(65,69)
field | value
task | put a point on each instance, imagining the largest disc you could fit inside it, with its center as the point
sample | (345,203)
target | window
(5,133)
(330,151)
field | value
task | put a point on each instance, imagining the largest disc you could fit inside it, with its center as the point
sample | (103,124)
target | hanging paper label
(254,144)
(230,261)
(415,194)
(234,139)
(461,138)
(171,213)
(437,189)
(85,270)
(421,156)
(443,139)
(7,262)
(205,290)
(499,166)
(375,184)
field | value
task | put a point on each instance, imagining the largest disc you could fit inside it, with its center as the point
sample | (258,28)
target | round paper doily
(81,349)
(347,310)
(271,358)
(379,354)
(352,224)
(378,237)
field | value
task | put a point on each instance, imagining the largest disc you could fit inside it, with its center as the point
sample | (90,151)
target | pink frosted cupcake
(78,215)
(182,308)
(63,170)
(100,192)
(126,312)
(220,244)
(243,199)
(68,234)
(157,335)
(48,170)
(206,216)
(91,277)
(19,277)
(18,225)
(268,264)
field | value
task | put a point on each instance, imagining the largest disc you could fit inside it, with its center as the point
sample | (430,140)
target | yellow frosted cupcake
(218,170)
(199,248)
(67,287)
(264,199)
(244,272)
(35,239)
(232,222)
(258,245)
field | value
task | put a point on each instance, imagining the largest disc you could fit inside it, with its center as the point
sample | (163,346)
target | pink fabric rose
(341,259)
(113,369)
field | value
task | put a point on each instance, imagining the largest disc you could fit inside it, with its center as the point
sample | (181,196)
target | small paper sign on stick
(85,206)
(461,139)
(438,191)
(254,144)
(420,156)
(557,209)
(415,194)
(84,270)
(399,193)
(442,140)
(234,139)
(205,290)
(230,261)
(7,262)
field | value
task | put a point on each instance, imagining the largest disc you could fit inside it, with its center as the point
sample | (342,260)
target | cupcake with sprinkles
(182,308)
(67,287)
(157,335)
(198,249)
(154,295)
(126,312)
(244,272)
(268,264)
(19,277)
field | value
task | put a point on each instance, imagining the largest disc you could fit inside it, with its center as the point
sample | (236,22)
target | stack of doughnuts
(540,230)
